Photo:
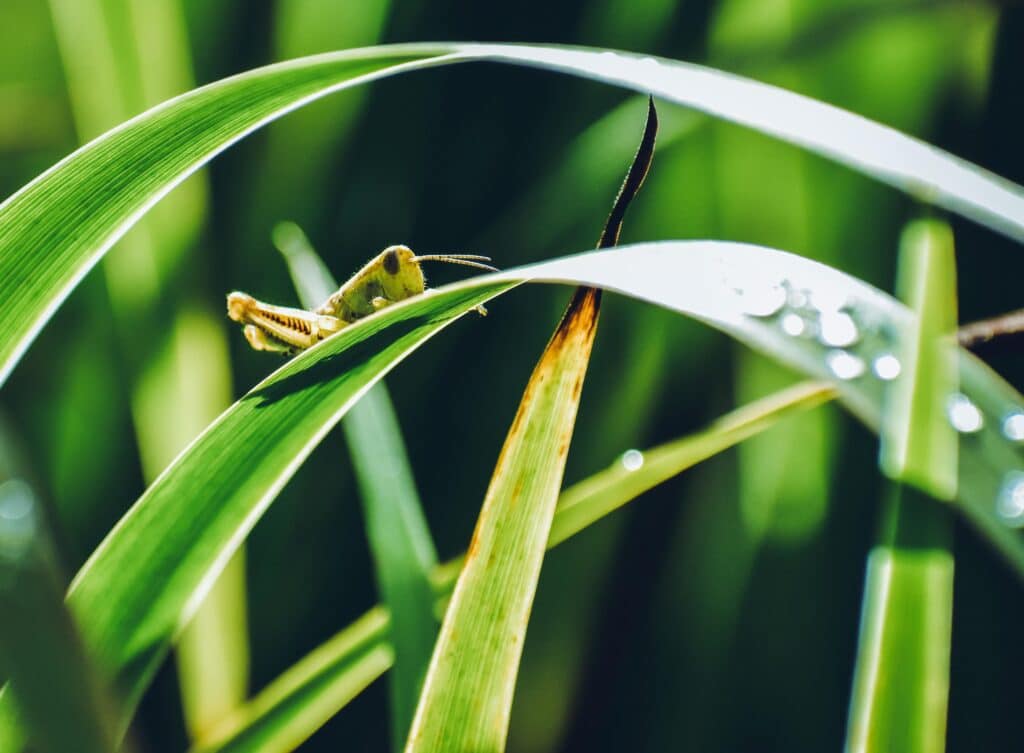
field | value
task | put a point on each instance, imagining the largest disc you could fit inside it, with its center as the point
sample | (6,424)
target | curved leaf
(466,701)
(146,578)
(59,225)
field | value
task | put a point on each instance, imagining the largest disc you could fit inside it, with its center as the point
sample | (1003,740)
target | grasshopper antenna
(466,260)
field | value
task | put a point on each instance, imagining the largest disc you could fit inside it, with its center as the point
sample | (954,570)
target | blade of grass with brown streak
(466,701)
(467,695)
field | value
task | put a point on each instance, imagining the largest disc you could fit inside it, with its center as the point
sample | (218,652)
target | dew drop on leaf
(844,365)
(887,367)
(964,414)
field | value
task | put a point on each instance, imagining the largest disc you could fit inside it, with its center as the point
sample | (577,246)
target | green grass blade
(92,197)
(145,580)
(319,685)
(903,162)
(590,500)
(120,58)
(403,549)
(919,446)
(58,692)
(297,703)
(307,27)
(901,683)
(466,701)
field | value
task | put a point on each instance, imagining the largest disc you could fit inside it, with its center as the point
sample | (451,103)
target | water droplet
(793,324)
(1013,426)
(887,367)
(844,365)
(964,415)
(762,301)
(837,328)
(1010,504)
(632,460)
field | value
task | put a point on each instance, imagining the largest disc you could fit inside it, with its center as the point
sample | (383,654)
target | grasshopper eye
(391,262)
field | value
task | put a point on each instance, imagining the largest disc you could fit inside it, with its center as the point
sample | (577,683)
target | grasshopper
(393,275)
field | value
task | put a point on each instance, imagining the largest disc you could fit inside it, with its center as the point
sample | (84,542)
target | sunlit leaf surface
(91,198)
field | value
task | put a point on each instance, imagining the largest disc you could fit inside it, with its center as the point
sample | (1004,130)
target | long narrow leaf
(109,51)
(57,227)
(590,500)
(901,685)
(467,696)
(298,702)
(320,684)
(403,549)
(147,577)
(466,703)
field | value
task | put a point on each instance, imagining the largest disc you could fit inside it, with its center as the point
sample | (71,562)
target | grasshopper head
(402,267)
(400,274)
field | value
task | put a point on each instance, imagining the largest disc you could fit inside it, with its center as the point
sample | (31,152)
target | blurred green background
(721,611)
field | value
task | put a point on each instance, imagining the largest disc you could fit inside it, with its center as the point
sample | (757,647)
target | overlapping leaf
(57,227)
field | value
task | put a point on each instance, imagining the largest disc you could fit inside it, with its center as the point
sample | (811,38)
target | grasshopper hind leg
(261,340)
